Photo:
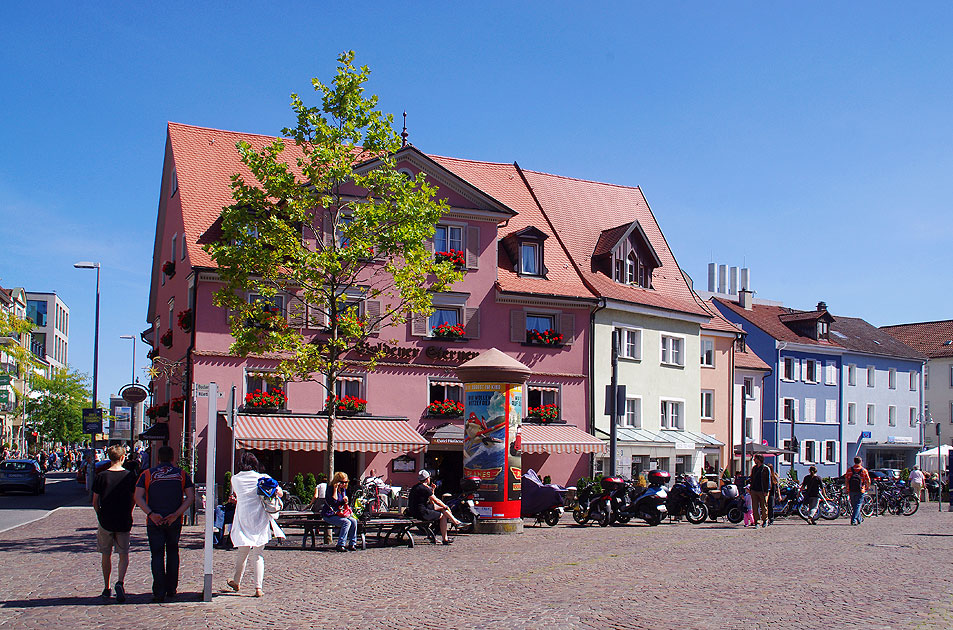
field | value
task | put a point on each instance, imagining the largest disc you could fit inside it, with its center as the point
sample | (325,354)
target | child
(749,512)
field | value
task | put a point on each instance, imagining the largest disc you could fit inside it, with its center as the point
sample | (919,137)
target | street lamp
(133,380)
(94,265)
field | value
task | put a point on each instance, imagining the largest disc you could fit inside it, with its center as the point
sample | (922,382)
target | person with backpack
(760,487)
(164,493)
(858,482)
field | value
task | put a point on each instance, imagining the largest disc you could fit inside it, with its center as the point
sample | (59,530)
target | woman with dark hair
(252,526)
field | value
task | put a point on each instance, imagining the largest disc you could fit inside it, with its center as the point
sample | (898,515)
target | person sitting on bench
(423,504)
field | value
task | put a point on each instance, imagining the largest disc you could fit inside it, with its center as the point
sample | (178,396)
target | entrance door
(447,469)
(270,462)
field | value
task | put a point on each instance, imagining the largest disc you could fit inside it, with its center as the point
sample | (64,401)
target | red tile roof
(718,321)
(750,361)
(768,318)
(934,339)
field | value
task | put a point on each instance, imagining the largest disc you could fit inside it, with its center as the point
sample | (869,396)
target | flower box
(543,414)
(545,338)
(448,331)
(347,404)
(152,412)
(166,339)
(158,411)
(451,256)
(185,320)
(258,399)
(178,404)
(445,409)
(169,268)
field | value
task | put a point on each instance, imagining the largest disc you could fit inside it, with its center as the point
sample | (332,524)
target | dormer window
(526,251)
(625,253)
(529,259)
(632,269)
(823,330)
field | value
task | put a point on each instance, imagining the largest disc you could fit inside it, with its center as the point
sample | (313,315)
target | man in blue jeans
(164,493)
(858,482)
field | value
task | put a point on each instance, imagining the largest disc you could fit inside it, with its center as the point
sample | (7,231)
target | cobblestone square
(893,572)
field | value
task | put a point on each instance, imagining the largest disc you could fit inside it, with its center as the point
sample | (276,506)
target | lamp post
(94,265)
(133,379)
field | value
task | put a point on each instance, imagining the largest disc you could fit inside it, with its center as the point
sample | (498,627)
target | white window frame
(786,457)
(871,415)
(667,350)
(444,307)
(785,362)
(808,363)
(809,458)
(710,395)
(442,382)
(707,350)
(830,373)
(550,394)
(747,387)
(633,420)
(851,374)
(913,416)
(827,448)
(871,376)
(892,378)
(665,414)
(449,227)
(913,381)
(343,379)
(536,247)
(851,413)
(891,415)
(624,333)
(793,407)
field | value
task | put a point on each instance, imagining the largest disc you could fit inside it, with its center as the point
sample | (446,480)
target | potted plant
(448,331)
(445,409)
(178,404)
(451,256)
(162,411)
(544,413)
(152,412)
(166,338)
(185,320)
(547,337)
(168,268)
(259,399)
(347,404)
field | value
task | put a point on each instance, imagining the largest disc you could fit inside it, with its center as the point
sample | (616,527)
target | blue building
(802,399)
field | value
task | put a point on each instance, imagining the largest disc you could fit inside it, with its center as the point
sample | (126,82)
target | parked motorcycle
(463,504)
(726,502)
(685,499)
(544,502)
(649,503)
(593,502)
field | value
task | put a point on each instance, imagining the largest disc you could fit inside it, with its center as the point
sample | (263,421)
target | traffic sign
(4,396)
(4,379)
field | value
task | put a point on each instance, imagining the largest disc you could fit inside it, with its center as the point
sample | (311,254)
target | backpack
(856,482)
(147,480)
(268,493)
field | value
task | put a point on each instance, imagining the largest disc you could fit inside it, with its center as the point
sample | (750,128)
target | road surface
(17,508)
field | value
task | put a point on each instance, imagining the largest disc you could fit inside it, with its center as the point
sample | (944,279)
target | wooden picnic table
(389,527)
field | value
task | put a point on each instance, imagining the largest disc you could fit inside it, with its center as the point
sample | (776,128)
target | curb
(40,518)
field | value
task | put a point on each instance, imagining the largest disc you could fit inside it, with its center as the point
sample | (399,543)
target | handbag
(344,511)
(268,493)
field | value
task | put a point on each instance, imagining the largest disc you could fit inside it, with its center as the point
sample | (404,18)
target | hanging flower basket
(178,404)
(152,412)
(445,409)
(258,399)
(451,256)
(166,339)
(162,411)
(169,268)
(346,405)
(185,320)
(448,331)
(545,338)
(543,413)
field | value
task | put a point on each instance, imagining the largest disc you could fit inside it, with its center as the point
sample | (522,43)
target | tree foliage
(58,410)
(332,227)
(19,362)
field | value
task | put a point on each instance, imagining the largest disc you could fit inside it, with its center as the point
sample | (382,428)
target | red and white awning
(309,433)
(559,438)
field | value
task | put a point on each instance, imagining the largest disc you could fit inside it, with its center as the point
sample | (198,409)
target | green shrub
(227,486)
(310,483)
(297,486)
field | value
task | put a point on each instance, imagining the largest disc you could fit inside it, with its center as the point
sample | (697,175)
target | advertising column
(493,408)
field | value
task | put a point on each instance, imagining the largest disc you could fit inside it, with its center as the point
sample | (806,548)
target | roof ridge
(228,131)
(587,181)
(936,321)
(459,159)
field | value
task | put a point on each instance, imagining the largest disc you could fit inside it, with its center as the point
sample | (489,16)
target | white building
(50,317)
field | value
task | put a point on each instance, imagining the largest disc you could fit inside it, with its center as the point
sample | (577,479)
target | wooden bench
(387,528)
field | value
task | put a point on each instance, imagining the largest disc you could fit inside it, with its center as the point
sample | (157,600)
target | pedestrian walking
(916,480)
(858,482)
(813,488)
(164,493)
(113,491)
(749,510)
(252,526)
(760,487)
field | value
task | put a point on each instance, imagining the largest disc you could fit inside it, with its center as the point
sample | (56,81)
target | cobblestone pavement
(893,572)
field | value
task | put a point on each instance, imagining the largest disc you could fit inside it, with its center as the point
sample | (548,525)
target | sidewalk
(893,572)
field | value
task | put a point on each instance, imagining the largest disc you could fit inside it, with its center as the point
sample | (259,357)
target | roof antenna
(404,134)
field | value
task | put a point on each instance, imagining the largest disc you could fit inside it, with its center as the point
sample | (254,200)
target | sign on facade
(92,421)
(865,435)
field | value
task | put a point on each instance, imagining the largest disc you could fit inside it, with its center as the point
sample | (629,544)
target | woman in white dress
(252,527)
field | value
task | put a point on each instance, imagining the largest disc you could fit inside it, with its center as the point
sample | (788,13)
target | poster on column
(490,445)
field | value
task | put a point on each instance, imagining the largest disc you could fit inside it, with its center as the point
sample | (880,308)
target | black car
(22,474)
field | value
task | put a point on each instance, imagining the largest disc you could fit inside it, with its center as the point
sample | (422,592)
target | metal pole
(614,387)
(231,423)
(96,347)
(210,493)
(744,430)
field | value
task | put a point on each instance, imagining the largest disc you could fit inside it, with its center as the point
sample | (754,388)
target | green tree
(336,227)
(58,410)
(19,362)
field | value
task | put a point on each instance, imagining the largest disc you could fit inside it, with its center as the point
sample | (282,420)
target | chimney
(745,299)
(733,280)
(711,277)
(745,284)
(722,278)
(822,306)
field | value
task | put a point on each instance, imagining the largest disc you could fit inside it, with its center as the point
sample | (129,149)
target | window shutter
(810,414)
(327,228)
(473,248)
(316,317)
(471,318)
(796,409)
(297,310)
(517,326)
(418,325)
(797,369)
(372,311)
(567,327)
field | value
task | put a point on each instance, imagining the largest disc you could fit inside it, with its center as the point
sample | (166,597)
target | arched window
(632,269)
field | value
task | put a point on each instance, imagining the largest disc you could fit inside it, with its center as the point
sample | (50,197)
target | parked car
(22,474)
(890,474)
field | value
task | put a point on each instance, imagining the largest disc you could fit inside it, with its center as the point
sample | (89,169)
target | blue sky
(810,142)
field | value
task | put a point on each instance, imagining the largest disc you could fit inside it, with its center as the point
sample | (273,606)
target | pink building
(718,340)
(518,278)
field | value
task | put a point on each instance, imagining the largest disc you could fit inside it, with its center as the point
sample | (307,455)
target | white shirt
(916,476)
(320,490)
(253,526)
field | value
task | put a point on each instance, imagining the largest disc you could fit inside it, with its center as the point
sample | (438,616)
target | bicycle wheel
(829,510)
(909,505)
(867,506)
(803,510)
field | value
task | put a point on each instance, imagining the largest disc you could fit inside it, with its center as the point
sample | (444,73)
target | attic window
(823,330)
(173,183)
(529,259)
(526,250)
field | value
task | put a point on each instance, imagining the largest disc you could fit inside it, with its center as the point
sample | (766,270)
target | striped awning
(559,438)
(309,433)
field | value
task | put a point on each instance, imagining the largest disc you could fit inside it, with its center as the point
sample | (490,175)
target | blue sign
(92,421)
(865,435)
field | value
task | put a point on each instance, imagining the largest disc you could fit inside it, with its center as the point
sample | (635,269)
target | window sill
(630,359)
(542,345)
(707,419)
(710,367)
(672,365)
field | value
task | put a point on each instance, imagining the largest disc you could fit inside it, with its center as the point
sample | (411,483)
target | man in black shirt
(113,491)
(813,488)
(423,504)
(760,486)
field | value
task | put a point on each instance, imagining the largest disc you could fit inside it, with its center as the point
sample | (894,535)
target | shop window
(640,465)
(683,464)
(662,464)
